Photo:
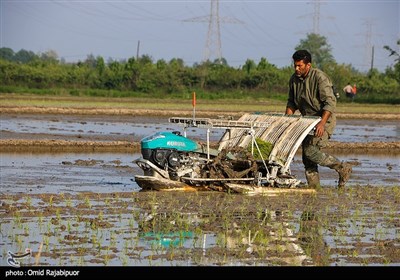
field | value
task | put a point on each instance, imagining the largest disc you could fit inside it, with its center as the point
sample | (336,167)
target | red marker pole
(194,105)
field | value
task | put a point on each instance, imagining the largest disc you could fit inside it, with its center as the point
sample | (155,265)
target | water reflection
(311,238)
(224,239)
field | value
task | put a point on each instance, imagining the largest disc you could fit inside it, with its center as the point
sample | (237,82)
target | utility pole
(316,16)
(369,48)
(213,46)
(137,50)
(213,42)
(372,59)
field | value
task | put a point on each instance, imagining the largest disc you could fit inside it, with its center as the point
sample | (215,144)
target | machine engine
(171,155)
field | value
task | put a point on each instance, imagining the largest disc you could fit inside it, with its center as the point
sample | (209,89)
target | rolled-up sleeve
(291,99)
(326,94)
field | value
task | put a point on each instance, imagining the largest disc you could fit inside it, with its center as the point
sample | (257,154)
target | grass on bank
(246,104)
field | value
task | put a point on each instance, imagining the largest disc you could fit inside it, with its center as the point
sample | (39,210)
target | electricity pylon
(213,48)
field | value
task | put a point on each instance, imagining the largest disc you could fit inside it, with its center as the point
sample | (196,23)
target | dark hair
(302,55)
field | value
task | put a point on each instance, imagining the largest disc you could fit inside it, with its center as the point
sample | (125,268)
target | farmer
(350,91)
(310,92)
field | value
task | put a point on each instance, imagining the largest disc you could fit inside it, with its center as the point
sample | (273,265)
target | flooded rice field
(114,172)
(85,209)
(133,128)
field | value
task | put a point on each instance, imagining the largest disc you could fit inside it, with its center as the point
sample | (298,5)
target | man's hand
(289,111)
(319,129)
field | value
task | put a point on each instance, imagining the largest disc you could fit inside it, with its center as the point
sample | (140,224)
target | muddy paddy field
(68,194)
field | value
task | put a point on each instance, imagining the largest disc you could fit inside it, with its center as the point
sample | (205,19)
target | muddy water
(114,172)
(135,128)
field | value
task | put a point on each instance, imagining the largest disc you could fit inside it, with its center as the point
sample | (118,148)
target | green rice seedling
(93,239)
(124,260)
(81,261)
(40,218)
(379,233)
(263,238)
(106,259)
(226,224)
(107,202)
(18,240)
(264,150)
(365,261)
(18,220)
(221,238)
(28,201)
(386,261)
(307,249)
(131,223)
(199,201)
(171,252)
(26,229)
(198,237)
(261,252)
(46,242)
(87,202)
(100,216)
(48,227)
(150,260)
(58,215)
(126,247)
(134,240)
(359,231)
(68,202)
(73,259)
(60,263)
(113,239)
(280,231)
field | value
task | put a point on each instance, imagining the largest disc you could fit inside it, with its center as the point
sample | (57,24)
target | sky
(165,29)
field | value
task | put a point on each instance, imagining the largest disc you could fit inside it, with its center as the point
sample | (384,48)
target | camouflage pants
(312,156)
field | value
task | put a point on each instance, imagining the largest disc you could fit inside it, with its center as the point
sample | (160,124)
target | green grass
(219,105)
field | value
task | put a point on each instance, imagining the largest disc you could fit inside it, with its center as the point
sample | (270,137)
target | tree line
(141,76)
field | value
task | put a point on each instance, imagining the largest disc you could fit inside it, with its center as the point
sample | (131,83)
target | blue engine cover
(168,140)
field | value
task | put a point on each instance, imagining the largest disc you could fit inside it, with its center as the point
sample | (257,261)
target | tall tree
(50,56)
(7,54)
(393,52)
(319,48)
(395,73)
(24,56)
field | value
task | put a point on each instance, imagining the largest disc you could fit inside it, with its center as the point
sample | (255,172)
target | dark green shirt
(313,95)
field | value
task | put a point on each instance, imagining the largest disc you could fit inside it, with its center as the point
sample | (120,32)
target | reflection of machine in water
(168,239)
(312,240)
(226,239)
(166,230)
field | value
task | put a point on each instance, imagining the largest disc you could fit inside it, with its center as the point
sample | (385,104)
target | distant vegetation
(45,74)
